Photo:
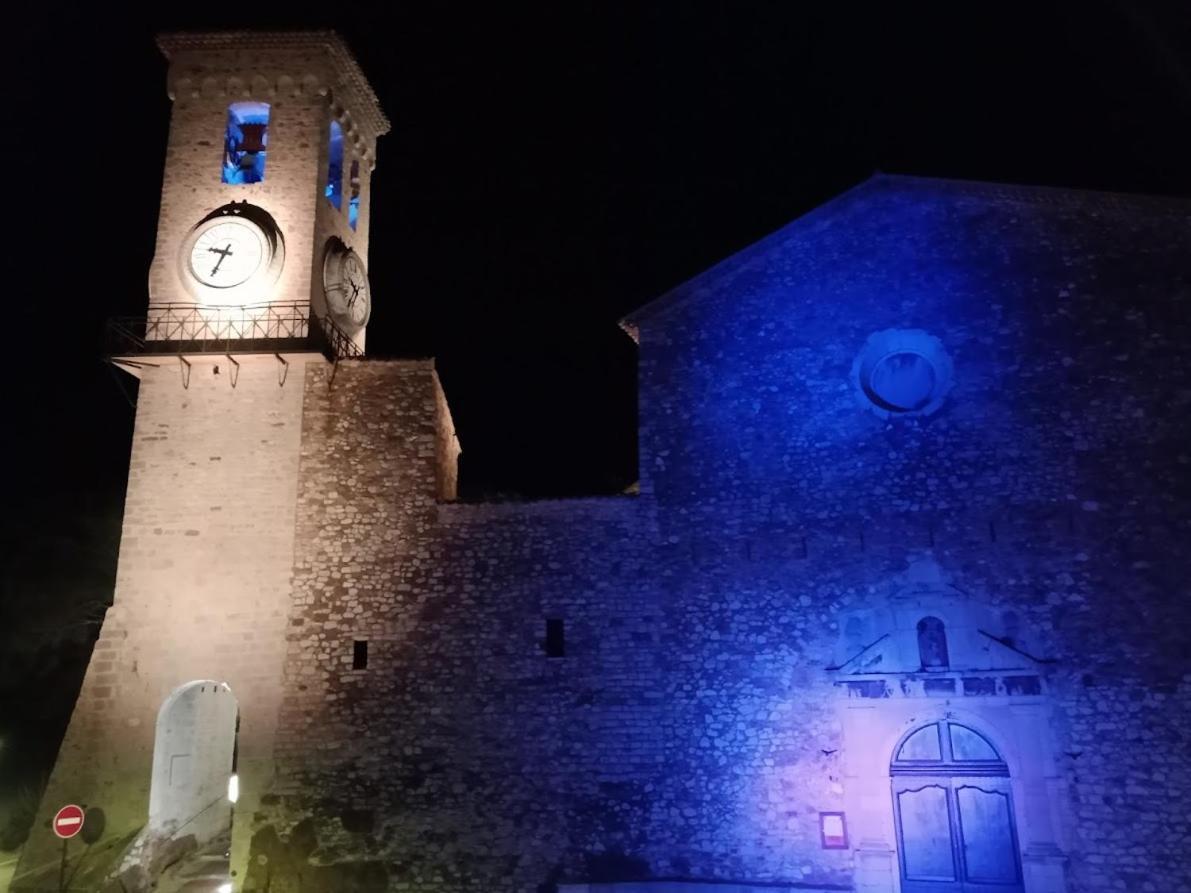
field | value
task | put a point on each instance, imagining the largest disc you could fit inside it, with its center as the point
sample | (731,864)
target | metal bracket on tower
(185,367)
(235,371)
(283,371)
(123,390)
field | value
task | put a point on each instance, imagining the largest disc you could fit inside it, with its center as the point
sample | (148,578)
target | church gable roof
(717,277)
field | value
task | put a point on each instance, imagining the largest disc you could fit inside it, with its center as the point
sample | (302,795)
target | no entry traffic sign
(68,821)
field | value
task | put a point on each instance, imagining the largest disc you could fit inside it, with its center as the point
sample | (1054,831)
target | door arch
(953,812)
(193,758)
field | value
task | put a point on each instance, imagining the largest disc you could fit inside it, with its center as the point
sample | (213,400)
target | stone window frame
(233,167)
(333,188)
(881,346)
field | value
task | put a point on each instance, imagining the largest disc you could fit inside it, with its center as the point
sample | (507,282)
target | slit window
(556,643)
(360,654)
(353,205)
(245,142)
(334,188)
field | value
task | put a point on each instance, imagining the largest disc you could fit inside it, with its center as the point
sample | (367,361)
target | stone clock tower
(265,197)
(258,289)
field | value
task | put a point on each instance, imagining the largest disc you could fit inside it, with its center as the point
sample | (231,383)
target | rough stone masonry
(694,727)
(899,603)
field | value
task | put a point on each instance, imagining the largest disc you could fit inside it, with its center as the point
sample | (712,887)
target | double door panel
(956,835)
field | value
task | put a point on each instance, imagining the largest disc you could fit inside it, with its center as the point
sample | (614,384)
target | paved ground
(201,872)
(8,865)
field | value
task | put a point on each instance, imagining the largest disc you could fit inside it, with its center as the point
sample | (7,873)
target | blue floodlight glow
(353,205)
(334,190)
(245,142)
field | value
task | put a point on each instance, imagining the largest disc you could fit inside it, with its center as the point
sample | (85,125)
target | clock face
(233,257)
(345,282)
(227,254)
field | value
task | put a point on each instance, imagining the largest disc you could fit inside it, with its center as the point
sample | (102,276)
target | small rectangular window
(353,205)
(245,142)
(360,654)
(555,644)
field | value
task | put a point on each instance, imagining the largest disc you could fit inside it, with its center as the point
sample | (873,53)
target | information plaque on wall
(833,832)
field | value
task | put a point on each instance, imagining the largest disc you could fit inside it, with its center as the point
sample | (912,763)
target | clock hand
(223,254)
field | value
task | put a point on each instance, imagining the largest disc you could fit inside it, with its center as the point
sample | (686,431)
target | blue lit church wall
(900,605)
(750,379)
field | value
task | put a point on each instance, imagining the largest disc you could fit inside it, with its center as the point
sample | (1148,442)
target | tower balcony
(178,330)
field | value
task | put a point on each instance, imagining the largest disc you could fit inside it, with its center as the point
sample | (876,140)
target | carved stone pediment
(929,637)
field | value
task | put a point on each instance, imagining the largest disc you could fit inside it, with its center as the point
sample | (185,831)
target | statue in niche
(932,644)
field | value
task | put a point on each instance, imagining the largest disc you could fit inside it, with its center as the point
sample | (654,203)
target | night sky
(547,172)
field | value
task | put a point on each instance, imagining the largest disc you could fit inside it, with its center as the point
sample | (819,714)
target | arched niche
(193,759)
(932,644)
(924,623)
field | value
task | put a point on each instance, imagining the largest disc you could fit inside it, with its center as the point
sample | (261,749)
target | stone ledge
(698,887)
(569,508)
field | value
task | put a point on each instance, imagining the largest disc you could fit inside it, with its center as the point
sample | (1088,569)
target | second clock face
(345,282)
(227,254)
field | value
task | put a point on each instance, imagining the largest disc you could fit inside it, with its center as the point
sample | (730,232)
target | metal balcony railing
(197,328)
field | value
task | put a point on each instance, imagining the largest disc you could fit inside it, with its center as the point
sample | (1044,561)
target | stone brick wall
(304,78)
(693,714)
(191,187)
(202,588)
(461,757)
(447,446)
(1062,445)
(1062,314)
(358,144)
(693,728)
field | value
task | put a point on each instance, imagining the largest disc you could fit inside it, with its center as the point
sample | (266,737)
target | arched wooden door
(953,810)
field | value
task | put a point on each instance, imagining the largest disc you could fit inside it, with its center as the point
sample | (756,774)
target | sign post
(68,821)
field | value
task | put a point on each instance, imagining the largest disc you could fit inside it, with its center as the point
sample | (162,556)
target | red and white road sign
(68,821)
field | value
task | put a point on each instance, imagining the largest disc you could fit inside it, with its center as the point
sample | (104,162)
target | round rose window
(902,372)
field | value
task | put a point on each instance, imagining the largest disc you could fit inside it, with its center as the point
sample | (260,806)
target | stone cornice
(350,79)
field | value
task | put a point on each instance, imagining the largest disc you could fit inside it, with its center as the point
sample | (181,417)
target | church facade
(900,604)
